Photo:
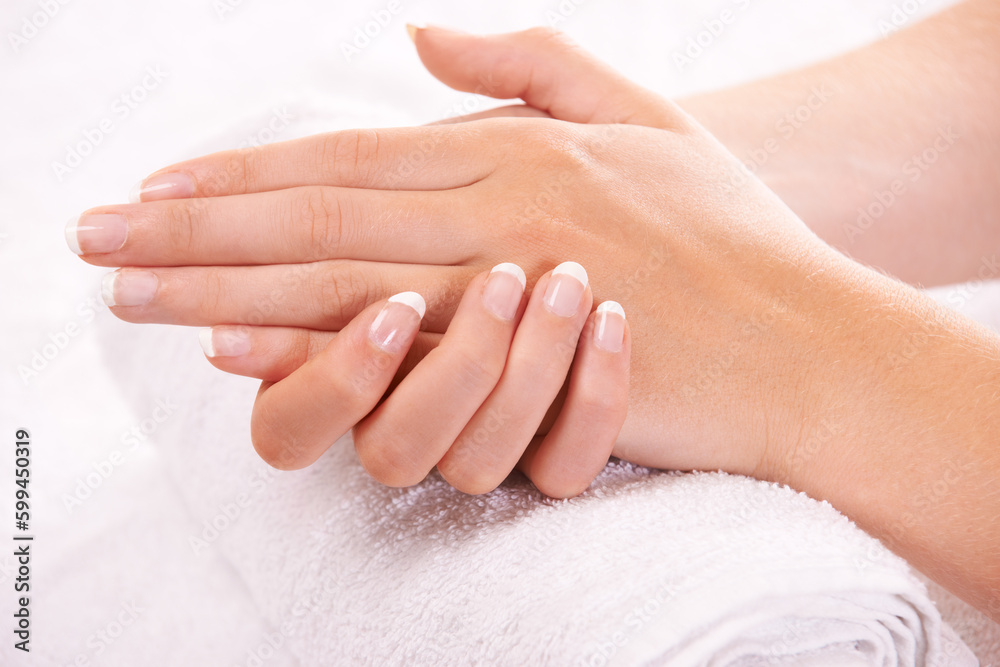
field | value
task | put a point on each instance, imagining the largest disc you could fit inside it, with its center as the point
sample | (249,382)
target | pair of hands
(306,238)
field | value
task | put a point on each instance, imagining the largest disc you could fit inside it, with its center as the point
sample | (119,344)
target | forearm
(904,435)
(890,153)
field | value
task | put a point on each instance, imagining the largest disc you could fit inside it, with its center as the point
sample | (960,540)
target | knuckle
(302,347)
(180,218)
(382,466)
(468,467)
(466,480)
(266,435)
(323,212)
(214,295)
(595,401)
(555,485)
(342,292)
(355,149)
(239,176)
(547,35)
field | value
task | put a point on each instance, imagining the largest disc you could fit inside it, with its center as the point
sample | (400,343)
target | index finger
(401,158)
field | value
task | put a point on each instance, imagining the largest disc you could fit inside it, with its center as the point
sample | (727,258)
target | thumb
(544,68)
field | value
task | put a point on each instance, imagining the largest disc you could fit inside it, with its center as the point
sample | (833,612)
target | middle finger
(302,224)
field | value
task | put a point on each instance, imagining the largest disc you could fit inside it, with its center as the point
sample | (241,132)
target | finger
(274,353)
(296,419)
(579,444)
(403,158)
(405,437)
(318,295)
(545,69)
(509,111)
(289,226)
(490,445)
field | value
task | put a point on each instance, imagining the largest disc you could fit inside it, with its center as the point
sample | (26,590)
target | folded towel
(647,567)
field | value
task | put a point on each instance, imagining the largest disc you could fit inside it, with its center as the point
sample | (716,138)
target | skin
(759,348)
(465,407)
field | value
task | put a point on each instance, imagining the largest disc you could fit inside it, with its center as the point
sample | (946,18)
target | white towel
(645,568)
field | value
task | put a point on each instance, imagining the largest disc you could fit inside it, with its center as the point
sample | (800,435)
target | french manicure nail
(224,342)
(503,290)
(129,287)
(565,289)
(162,186)
(411,30)
(96,233)
(609,329)
(397,323)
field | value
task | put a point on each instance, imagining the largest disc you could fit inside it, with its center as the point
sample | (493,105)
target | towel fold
(647,567)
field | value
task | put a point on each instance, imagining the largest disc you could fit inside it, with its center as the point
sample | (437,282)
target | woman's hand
(472,406)
(717,274)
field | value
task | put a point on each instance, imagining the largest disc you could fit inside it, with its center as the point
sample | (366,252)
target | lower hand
(472,406)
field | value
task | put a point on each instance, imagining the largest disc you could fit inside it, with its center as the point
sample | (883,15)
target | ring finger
(540,357)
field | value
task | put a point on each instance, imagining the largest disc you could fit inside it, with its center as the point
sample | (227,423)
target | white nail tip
(205,338)
(571,269)
(135,194)
(71,238)
(611,307)
(411,299)
(108,288)
(512,270)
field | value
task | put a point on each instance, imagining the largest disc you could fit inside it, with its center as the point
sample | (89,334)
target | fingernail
(609,329)
(397,323)
(96,233)
(565,289)
(411,30)
(503,290)
(162,186)
(129,287)
(224,342)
